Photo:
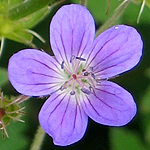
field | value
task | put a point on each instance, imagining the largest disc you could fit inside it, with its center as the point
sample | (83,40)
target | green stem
(2,45)
(27,8)
(83,2)
(38,139)
(117,14)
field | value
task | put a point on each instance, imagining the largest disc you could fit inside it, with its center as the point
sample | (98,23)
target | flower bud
(10,110)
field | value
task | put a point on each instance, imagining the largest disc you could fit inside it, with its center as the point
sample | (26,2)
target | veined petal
(33,72)
(63,118)
(72,32)
(116,50)
(110,105)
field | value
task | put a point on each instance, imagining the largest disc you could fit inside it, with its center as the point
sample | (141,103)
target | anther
(64,86)
(86,74)
(72,92)
(92,74)
(62,65)
(98,79)
(91,68)
(90,87)
(82,59)
(83,70)
(72,58)
(85,91)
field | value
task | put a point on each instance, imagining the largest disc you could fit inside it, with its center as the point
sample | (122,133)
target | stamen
(62,65)
(78,76)
(86,74)
(85,91)
(83,70)
(98,79)
(91,68)
(72,92)
(82,59)
(77,65)
(91,83)
(64,86)
(90,87)
(92,74)
(72,62)
(72,58)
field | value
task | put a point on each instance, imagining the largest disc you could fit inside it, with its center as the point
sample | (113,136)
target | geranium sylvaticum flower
(77,77)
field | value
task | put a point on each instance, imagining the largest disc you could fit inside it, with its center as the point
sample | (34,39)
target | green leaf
(148,3)
(13,3)
(17,139)
(122,139)
(21,36)
(27,8)
(31,20)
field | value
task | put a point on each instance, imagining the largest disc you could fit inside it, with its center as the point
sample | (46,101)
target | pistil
(74,76)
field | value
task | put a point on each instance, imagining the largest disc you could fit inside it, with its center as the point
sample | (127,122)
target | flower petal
(72,32)
(33,72)
(110,105)
(116,50)
(62,118)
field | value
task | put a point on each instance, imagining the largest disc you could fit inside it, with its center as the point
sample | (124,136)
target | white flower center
(78,78)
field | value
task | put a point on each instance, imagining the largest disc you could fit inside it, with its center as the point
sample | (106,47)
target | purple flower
(76,79)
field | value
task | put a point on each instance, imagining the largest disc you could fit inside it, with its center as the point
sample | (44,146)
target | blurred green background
(134,136)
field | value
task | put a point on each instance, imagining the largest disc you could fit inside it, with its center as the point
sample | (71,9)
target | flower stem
(142,7)
(2,45)
(84,2)
(117,14)
(38,139)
